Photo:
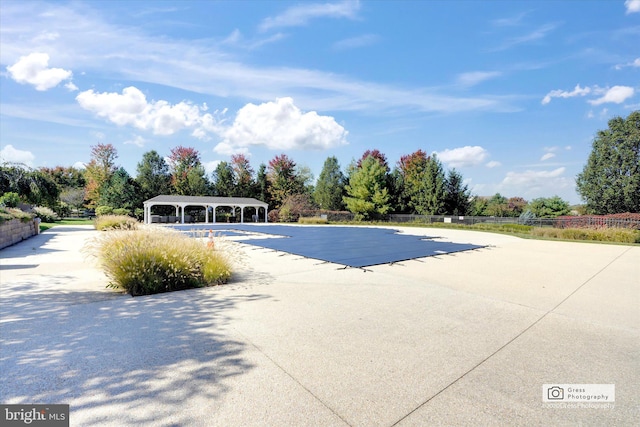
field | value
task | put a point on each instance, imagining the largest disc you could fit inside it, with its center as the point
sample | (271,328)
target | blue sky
(510,93)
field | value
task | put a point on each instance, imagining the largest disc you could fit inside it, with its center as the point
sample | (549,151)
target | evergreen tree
(153,176)
(224,184)
(330,186)
(121,191)
(430,197)
(457,198)
(610,181)
(367,194)
(262,184)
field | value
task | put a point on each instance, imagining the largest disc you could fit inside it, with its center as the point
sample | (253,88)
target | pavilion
(207,203)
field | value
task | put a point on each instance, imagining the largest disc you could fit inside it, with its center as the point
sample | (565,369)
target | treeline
(368,187)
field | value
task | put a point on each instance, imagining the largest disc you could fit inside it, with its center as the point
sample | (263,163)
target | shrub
(620,235)
(507,228)
(274,215)
(121,211)
(7,214)
(10,200)
(46,214)
(312,220)
(111,222)
(104,210)
(153,260)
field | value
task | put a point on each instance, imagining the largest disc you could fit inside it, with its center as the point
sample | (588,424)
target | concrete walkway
(464,339)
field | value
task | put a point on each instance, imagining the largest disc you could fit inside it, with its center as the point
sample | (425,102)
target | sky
(509,93)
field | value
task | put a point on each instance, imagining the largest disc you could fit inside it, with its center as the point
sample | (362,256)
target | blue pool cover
(349,246)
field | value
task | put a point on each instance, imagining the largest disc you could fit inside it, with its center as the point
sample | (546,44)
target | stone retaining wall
(15,231)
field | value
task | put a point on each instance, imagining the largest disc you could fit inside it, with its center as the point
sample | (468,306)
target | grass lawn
(66,221)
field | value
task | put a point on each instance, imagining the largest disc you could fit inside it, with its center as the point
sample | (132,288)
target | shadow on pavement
(95,349)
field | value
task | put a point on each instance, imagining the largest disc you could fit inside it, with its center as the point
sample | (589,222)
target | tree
(610,181)
(262,183)
(73,196)
(65,177)
(497,205)
(367,194)
(330,186)
(399,199)
(412,168)
(294,206)
(376,154)
(153,176)
(430,197)
(121,191)
(283,180)
(306,178)
(549,207)
(516,206)
(479,206)
(224,183)
(457,199)
(99,171)
(187,173)
(245,186)
(31,185)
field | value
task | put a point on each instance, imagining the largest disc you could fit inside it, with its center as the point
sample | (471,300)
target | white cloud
(463,156)
(356,42)
(237,40)
(475,77)
(127,53)
(577,91)
(71,87)
(616,95)
(280,125)
(160,117)
(547,156)
(10,154)
(535,35)
(530,176)
(635,63)
(493,164)
(511,21)
(136,140)
(34,69)
(536,183)
(301,14)
(633,6)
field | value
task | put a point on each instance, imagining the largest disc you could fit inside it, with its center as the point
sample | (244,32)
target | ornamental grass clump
(153,260)
(115,222)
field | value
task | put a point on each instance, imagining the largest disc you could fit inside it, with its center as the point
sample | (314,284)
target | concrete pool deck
(461,339)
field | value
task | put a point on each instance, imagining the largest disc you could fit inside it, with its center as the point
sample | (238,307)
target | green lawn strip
(66,221)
